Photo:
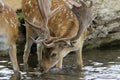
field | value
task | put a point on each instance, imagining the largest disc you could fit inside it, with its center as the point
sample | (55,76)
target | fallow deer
(56,29)
(9,32)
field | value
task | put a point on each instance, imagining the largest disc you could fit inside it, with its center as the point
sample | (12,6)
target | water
(98,65)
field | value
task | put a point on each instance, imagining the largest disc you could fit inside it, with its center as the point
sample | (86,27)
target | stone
(106,26)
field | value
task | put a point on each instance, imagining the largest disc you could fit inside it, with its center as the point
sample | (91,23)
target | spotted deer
(58,27)
(8,32)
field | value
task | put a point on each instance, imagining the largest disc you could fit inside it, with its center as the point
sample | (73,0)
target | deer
(9,32)
(58,27)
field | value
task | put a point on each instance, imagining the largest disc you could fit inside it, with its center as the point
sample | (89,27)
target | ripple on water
(5,73)
(98,65)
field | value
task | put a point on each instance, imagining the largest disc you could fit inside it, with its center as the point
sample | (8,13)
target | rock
(106,26)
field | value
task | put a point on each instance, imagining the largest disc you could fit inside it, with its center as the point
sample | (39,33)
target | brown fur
(9,32)
(64,24)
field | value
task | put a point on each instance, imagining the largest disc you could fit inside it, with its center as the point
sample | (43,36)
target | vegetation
(20,15)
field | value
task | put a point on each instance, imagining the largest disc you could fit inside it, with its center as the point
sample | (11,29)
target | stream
(98,65)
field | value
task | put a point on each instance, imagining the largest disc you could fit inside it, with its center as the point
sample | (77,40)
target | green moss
(20,16)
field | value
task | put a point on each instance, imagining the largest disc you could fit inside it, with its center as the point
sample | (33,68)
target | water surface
(98,65)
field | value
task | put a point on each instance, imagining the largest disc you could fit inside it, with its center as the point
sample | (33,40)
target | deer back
(62,23)
(8,22)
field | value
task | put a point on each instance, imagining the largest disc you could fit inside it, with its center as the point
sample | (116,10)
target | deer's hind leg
(13,56)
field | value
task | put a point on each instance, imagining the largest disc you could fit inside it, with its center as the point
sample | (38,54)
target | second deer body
(9,32)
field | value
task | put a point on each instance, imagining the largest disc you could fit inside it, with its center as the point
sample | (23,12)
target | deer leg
(39,53)
(13,57)
(59,64)
(28,45)
(79,58)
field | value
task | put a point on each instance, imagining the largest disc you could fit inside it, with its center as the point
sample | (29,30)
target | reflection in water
(5,73)
(98,65)
(16,76)
(102,65)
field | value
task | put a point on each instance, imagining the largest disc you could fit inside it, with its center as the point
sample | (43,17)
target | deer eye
(53,55)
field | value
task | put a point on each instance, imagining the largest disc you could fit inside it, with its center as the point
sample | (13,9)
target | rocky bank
(105,29)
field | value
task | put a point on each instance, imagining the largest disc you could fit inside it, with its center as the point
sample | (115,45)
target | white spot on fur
(7,11)
(10,9)
(28,15)
(35,20)
(12,23)
(6,20)
(68,4)
(29,2)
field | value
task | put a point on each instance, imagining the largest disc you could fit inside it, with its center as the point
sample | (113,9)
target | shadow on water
(98,65)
